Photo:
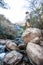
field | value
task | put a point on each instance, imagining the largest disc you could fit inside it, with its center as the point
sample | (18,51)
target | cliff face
(7,28)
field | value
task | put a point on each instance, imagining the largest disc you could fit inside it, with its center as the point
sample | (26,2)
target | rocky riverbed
(12,53)
(25,49)
(20,45)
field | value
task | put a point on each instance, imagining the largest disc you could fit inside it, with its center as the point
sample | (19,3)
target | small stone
(25,59)
(21,46)
(2,41)
(11,45)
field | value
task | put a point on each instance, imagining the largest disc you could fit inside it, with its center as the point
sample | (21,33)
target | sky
(16,12)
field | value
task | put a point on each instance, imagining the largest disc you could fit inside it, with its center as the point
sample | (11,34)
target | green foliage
(24,27)
(37,17)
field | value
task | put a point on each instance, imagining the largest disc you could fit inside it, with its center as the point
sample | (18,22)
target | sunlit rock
(35,53)
(30,34)
(11,45)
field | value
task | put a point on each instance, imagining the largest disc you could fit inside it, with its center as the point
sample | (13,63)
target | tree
(3,4)
(36,7)
(33,4)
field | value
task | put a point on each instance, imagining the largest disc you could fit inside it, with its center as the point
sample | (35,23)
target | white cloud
(16,12)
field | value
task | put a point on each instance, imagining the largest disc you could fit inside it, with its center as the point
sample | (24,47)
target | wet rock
(30,34)
(22,46)
(35,53)
(12,58)
(23,63)
(1,63)
(22,51)
(2,48)
(2,56)
(2,41)
(19,40)
(25,59)
(11,45)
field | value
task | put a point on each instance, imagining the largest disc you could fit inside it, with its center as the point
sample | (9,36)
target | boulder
(35,53)
(36,40)
(2,42)
(30,34)
(11,45)
(41,43)
(12,58)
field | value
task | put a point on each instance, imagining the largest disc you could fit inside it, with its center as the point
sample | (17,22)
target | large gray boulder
(30,34)
(12,58)
(35,53)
